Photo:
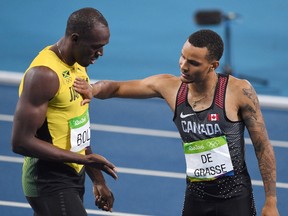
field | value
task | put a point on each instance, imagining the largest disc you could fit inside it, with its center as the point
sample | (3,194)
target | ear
(75,37)
(215,64)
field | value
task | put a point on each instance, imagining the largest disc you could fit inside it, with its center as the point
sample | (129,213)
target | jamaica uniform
(218,182)
(67,126)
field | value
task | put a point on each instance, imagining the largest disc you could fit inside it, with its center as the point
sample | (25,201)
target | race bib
(208,159)
(80,132)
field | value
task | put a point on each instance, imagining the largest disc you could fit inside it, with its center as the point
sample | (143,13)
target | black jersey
(212,126)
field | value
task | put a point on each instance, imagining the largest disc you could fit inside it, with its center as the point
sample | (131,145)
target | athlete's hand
(99,162)
(269,212)
(81,86)
(270,207)
(104,198)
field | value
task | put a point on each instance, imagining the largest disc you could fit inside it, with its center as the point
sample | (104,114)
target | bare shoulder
(240,96)
(41,82)
(162,77)
(238,83)
(39,73)
(167,86)
(162,80)
(241,89)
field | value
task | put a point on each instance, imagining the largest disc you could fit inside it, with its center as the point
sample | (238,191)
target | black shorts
(239,206)
(64,203)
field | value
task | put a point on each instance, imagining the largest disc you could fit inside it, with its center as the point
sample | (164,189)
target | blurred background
(147,36)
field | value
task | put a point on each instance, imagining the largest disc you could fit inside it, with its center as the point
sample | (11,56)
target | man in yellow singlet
(52,130)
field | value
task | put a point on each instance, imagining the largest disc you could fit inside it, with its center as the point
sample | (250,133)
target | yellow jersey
(66,126)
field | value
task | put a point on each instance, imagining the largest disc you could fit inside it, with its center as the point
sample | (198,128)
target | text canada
(207,129)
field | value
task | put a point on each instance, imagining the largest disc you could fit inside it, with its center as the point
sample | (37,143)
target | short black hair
(209,39)
(84,20)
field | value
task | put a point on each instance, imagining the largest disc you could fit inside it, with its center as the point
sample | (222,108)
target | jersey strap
(220,92)
(182,94)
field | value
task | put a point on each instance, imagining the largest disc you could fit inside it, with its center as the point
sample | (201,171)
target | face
(89,47)
(194,65)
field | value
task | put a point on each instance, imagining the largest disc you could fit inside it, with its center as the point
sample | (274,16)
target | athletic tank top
(66,126)
(213,146)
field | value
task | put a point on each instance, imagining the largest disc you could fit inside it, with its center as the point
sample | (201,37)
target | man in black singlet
(211,111)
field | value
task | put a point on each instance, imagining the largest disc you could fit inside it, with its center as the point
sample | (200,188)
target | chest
(67,99)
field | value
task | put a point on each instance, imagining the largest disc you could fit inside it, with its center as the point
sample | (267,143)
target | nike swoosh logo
(186,115)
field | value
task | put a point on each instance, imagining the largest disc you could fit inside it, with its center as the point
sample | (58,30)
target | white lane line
(89,211)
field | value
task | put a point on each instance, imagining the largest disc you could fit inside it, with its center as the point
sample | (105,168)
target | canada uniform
(218,182)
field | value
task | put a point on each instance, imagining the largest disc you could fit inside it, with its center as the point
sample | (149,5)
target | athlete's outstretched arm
(146,88)
(254,121)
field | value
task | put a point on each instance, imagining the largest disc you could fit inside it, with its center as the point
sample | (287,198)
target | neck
(204,87)
(201,94)
(61,52)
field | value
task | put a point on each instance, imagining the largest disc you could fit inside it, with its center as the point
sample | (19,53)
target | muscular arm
(252,116)
(41,84)
(146,88)
(161,86)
